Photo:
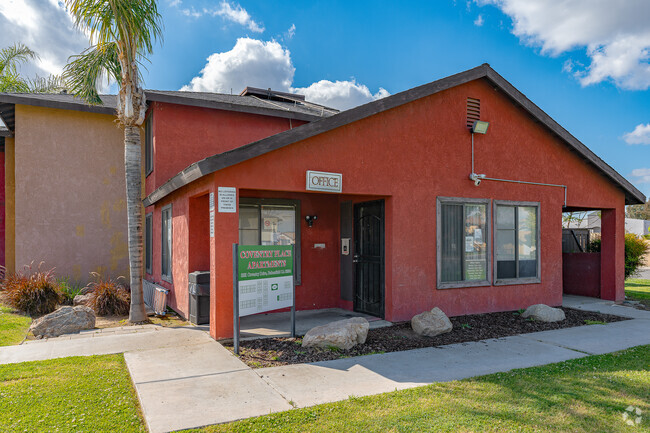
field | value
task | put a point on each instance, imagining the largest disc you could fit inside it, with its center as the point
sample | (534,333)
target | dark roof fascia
(78,105)
(243,153)
(5,133)
(204,103)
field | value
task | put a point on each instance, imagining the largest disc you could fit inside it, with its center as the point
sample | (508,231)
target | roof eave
(197,102)
(66,105)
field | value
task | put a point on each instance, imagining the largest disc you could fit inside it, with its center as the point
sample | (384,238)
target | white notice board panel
(227,199)
(257,296)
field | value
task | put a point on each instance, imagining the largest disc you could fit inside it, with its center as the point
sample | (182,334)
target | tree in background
(639,211)
(123,33)
(11,58)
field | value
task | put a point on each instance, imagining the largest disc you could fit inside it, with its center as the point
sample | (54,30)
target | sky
(584,62)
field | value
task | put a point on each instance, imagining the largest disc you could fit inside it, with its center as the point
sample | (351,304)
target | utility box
(199,292)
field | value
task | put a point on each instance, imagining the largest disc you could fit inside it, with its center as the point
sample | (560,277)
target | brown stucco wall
(10,205)
(70,209)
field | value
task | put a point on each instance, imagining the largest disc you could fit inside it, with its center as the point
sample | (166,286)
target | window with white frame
(516,227)
(166,246)
(463,242)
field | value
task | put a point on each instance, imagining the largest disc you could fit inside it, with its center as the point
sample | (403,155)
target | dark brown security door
(369,258)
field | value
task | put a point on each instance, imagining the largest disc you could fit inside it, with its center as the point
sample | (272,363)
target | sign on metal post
(263,280)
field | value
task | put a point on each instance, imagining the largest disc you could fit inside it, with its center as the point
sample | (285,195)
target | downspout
(477,178)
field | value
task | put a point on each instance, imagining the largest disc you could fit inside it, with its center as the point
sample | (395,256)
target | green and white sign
(264,278)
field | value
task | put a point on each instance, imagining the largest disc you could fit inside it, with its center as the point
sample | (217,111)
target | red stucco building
(435,215)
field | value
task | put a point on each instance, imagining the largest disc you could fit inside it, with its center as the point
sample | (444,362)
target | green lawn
(638,290)
(77,394)
(94,394)
(13,326)
(584,395)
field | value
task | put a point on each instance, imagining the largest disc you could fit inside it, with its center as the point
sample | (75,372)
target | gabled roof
(299,110)
(274,142)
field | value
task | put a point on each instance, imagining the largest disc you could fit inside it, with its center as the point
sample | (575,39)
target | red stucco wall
(184,134)
(410,155)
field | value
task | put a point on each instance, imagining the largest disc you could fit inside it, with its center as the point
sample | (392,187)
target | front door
(369,258)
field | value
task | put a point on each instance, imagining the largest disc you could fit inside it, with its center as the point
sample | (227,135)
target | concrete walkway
(185,379)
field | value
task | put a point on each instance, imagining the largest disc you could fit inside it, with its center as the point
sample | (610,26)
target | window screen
(148,241)
(463,241)
(166,225)
(148,146)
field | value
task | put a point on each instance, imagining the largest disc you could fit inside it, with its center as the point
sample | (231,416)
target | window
(148,146)
(270,222)
(517,242)
(148,242)
(463,242)
(166,246)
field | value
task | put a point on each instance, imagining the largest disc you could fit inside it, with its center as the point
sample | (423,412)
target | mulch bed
(271,352)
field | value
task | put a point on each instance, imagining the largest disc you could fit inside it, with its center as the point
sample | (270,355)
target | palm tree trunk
(132,161)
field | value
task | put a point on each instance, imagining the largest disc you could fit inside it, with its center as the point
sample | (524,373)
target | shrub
(33,292)
(109,298)
(69,289)
(635,249)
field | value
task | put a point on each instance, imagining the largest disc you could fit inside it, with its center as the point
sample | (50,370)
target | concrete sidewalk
(185,379)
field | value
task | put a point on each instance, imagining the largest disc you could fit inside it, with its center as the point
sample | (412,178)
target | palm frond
(14,55)
(49,84)
(13,83)
(84,70)
(136,23)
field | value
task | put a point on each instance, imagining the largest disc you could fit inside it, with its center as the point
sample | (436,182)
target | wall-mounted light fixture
(310,219)
(480,127)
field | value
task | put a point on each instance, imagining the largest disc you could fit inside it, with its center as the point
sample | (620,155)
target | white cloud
(267,64)
(478,22)
(615,36)
(641,175)
(45,27)
(250,63)
(339,94)
(229,11)
(640,135)
(237,14)
(291,32)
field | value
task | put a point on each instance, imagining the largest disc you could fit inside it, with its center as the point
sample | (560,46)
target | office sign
(264,278)
(323,181)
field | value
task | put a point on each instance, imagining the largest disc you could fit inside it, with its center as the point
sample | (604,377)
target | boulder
(343,334)
(65,320)
(544,313)
(431,323)
(81,300)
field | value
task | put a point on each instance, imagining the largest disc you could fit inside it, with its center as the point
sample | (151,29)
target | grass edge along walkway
(13,326)
(589,394)
(79,393)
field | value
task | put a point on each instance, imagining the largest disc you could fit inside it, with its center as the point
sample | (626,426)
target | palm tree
(10,80)
(123,33)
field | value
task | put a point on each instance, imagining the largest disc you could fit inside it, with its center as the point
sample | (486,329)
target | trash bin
(199,290)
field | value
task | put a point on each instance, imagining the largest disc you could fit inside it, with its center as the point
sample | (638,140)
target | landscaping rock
(431,323)
(544,313)
(65,320)
(81,300)
(343,334)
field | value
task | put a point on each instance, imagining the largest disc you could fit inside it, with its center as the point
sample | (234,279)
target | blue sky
(582,61)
